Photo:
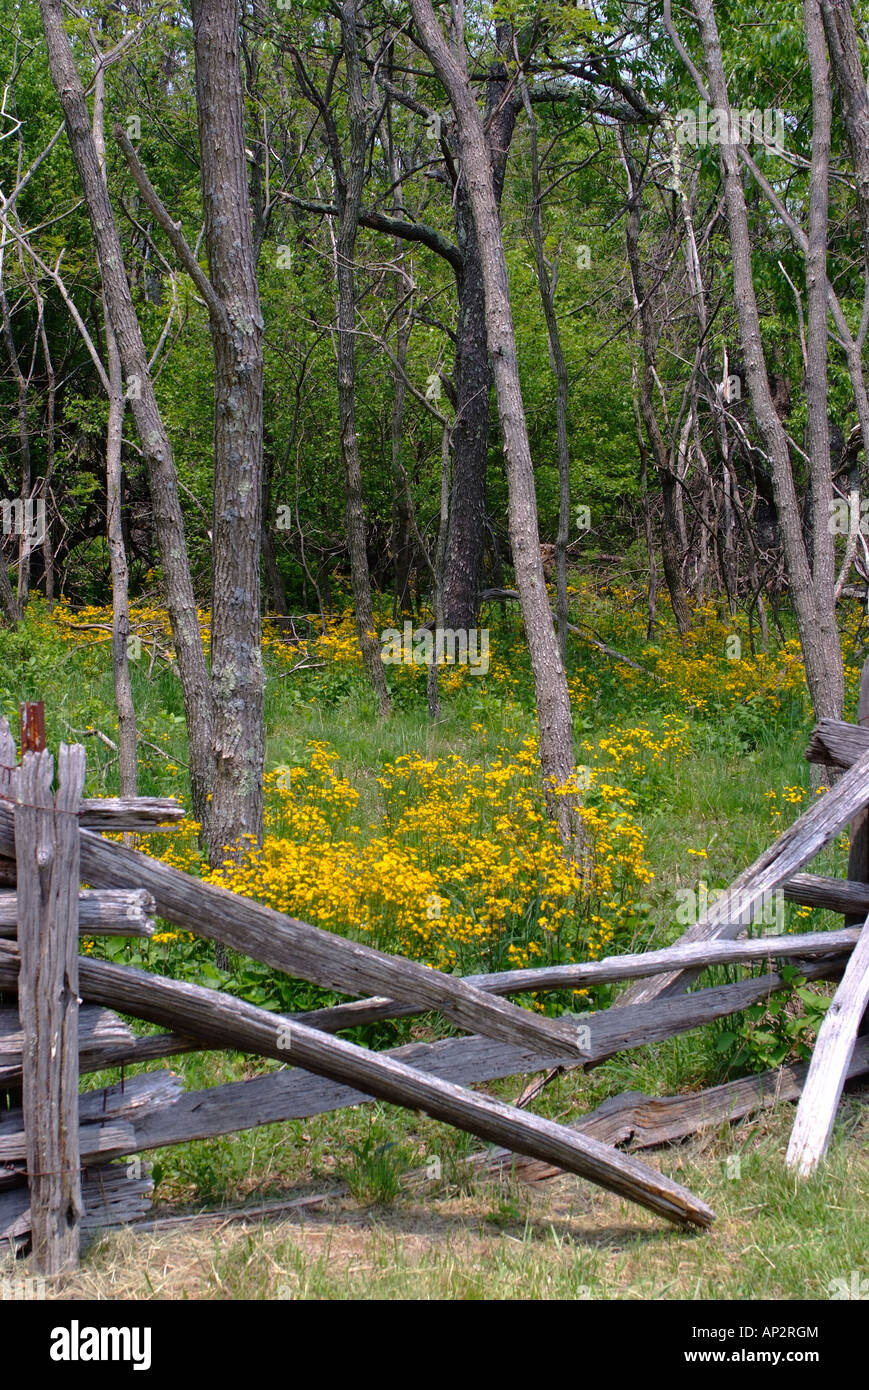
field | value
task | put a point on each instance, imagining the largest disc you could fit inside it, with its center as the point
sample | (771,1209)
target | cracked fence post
(47,862)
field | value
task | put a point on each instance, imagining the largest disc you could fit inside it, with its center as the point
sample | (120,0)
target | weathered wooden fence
(57,1174)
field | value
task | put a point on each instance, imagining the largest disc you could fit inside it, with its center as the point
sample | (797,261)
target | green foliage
(769,1034)
(373,1174)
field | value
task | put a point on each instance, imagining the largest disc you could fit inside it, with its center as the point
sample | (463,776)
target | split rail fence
(61,1013)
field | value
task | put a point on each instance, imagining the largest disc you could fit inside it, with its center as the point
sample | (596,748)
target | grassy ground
(694,773)
(564,1239)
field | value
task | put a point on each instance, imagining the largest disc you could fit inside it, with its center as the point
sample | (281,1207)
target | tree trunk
(821,651)
(236,652)
(402,544)
(156,449)
(553,703)
(841,34)
(648,525)
(350,203)
(817,398)
(546,284)
(127,759)
(671,552)
(467,527)
(50,449)
(466,540)
(432,688)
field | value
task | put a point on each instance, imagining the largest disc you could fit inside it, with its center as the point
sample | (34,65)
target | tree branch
(173,231)
(393,226)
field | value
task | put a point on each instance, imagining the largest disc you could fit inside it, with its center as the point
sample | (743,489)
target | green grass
(774,1237)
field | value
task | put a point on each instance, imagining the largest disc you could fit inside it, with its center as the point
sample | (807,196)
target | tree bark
(156,449)
(236,655)
(817,396)
(821,651)
(546,283)
(466,538)
(841,35)
(467,526)
(671,556)
(553,702)
(127,759)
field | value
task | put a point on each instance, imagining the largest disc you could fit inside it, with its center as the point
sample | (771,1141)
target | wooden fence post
(858,858)
(32,716)
(47,863)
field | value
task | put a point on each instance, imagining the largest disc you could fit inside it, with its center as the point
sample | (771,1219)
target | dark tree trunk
(467,527)
(473,375)
(350,204)
(401,543)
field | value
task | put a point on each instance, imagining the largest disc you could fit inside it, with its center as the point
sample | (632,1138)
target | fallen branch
(495,595)
(645,1122)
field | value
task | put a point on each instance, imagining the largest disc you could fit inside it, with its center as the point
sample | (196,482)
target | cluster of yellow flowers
(780,801)
(454,863)
(453,860)
(712,668)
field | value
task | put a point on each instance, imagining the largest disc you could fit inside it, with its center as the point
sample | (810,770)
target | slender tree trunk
(817,396)
(277,588)
(127,753)
(236,651)
(553,702)
(546,283)
(821,650)
(350,204)
(156,449)
(671,550)
(50,449)
(466,535)
(841,34)
(648,525)
(432,690)
(466,541)
(402,545)
(127,759)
